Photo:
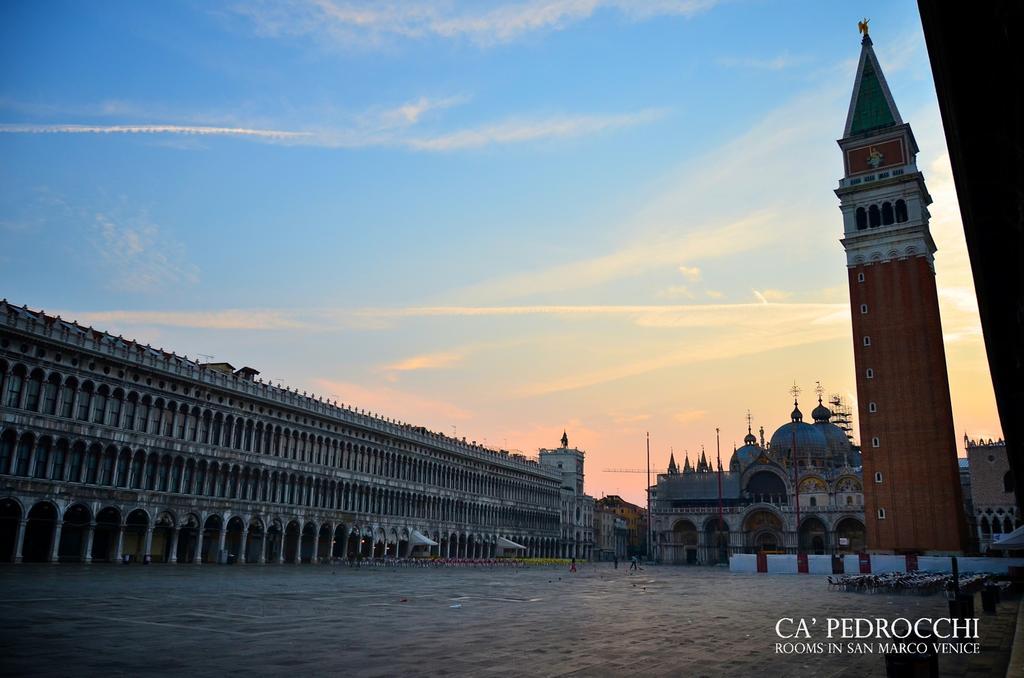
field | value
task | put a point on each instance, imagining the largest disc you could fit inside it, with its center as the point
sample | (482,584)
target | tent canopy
(1012,541)
(417,538)
(509,545)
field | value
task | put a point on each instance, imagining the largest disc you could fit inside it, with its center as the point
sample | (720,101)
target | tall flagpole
(650,521)
(721,522)
(796,469)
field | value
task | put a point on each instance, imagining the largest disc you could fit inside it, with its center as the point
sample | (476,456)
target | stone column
(198,557)
(120,543)
(316,548)
(19,540)
(55,545)
(87,543)
(223,538)
(280,549)
(148,544)
(173,557)
(263,549)
(243,546)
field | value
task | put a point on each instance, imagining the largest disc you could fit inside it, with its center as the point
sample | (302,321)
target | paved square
(302,620)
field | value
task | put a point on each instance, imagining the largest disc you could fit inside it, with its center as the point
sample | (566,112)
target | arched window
(75,465)
(887,218)
(107,467)
(814,501)
(99,405)
(15,383)
(138,463)
(34,390)
(60,454)
(67,398)
(874,216)
(129,410)
(6,450)
(849,500)
(84,400)
(862,219)
(42,458)
(143,414)
(985,528)
(114,413)
(24,455)
(167,416)
(92,465)
(50,390)
(901,211)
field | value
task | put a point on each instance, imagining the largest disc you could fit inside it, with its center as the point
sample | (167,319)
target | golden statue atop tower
(862,25)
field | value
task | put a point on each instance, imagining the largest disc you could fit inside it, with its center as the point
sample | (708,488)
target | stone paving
(82,620)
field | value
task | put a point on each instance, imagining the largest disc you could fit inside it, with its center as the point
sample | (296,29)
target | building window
(864,309)
(887,217)
(874,216)
(849,500)
(867,340)
(875,442)
(878,476)
(901,211)
(870,373)
(862,219)
(860,277)
(872,407)
(881,514)
(814,501)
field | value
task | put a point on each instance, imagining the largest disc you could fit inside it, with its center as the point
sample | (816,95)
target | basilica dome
(810,442)
(840,450)
(747,454)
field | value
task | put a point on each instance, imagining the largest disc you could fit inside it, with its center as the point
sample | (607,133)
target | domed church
(801,491)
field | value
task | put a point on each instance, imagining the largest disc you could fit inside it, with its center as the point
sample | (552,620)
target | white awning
(1012,541)
(417,538)
(508,544)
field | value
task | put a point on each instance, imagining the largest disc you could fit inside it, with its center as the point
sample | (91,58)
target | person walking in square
(615,559)
(632,564)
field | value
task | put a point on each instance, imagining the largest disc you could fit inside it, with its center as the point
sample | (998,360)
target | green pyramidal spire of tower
(872,106)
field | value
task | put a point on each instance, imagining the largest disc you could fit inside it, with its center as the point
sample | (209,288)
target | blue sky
(507,217)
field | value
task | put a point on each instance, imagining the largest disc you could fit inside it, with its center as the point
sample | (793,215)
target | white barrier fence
(788,563)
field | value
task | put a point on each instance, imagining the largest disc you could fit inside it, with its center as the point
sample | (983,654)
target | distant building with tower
(577,525)
(993,503)
(913,498)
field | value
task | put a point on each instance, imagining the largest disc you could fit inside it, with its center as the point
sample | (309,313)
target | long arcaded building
(109,448)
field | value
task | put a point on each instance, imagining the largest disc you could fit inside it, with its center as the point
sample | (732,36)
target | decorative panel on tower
(912,489)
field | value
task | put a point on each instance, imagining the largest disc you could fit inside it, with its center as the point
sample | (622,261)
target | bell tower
(912,495)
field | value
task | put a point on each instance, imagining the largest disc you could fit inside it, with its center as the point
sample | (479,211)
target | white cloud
(776,63)
(689,416)
(717,240)
(691,273)
(517,131)
(137,257)
(152,129)
(769,296)
(426,361)
(351,23)
(384,127)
